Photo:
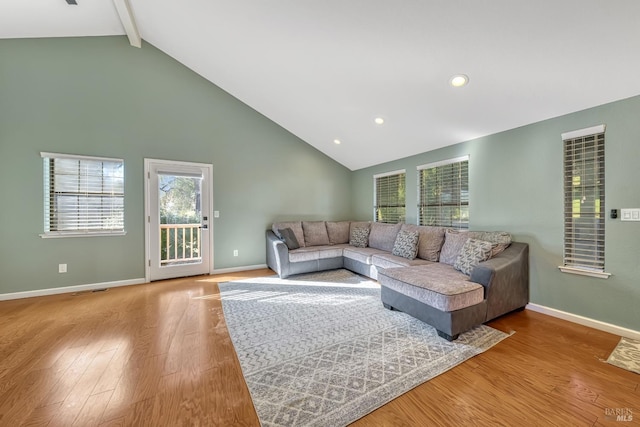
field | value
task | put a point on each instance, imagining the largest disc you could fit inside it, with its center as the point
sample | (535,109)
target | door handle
(204,227)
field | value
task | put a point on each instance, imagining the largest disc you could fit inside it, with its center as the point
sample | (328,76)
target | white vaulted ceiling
(324,70)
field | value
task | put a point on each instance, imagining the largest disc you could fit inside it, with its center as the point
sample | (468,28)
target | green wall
(515,180)
(99,96)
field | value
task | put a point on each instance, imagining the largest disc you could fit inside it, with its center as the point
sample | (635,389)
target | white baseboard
(68,289)
(585,321)
(236,269)
(104,285)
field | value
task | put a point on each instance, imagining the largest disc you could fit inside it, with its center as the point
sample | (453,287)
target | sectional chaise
(452,280)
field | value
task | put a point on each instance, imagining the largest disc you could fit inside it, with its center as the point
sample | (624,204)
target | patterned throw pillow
(500,239)
(473,253)
(359,237)
(289,238)
(430,240)
(406,244)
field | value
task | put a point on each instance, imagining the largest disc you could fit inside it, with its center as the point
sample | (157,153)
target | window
(584,214)
(389,196)
(82,195)
(443,193)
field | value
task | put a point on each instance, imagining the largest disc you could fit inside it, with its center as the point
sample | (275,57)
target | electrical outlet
(235,252)
(62,268)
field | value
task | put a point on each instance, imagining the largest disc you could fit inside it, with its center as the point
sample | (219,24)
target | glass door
(178,219)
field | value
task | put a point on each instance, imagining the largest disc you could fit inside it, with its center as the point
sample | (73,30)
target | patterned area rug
(320,350)
(626,355)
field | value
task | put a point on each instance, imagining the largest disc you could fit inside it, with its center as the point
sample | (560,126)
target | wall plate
(630,214)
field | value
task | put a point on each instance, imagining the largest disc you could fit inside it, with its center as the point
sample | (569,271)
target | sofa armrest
(277,255)
(505,279)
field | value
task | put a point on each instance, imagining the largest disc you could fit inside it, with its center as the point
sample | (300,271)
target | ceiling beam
(126,17)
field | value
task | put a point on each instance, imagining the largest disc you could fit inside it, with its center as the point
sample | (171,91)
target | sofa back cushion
(430,241)
(295,226)
(382,236)
(338,232)
(453,243)
(315,233)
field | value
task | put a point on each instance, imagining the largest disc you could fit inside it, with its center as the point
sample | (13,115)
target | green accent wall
(99,96)
(515,184)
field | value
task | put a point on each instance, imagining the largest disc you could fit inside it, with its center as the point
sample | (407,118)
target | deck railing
(179,244)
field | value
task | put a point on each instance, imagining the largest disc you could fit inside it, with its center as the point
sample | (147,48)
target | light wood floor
(160,355)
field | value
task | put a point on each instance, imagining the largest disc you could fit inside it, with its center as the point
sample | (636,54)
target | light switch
(216,214)
(630,214)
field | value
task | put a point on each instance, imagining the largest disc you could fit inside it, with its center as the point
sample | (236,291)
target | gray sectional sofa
(452,280)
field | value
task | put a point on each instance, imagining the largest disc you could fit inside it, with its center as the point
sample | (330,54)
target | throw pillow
(473,252)
(296,226)
(500,239)
(289,238)
(429,242)
(406,244)
(453,242)
(359,237)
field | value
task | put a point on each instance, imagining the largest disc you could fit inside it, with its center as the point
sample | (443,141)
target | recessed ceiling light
(459,80)
(378,120)
(337,141)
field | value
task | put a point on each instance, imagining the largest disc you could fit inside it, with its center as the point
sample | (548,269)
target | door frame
(147,209)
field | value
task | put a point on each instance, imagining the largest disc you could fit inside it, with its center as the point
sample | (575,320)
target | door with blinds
(178,200)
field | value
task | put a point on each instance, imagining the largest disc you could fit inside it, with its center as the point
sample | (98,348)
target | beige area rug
(626,355)
(320,349)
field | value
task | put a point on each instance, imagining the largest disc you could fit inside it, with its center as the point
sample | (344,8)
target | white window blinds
(389,197)
(584,214)
(443,193)
(82,195)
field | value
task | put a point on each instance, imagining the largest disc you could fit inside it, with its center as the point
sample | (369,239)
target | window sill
(96,234)
(584,272)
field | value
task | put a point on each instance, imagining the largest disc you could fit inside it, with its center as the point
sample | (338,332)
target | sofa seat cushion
(438,285)
(362,255)
(393,261)
(313,253)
